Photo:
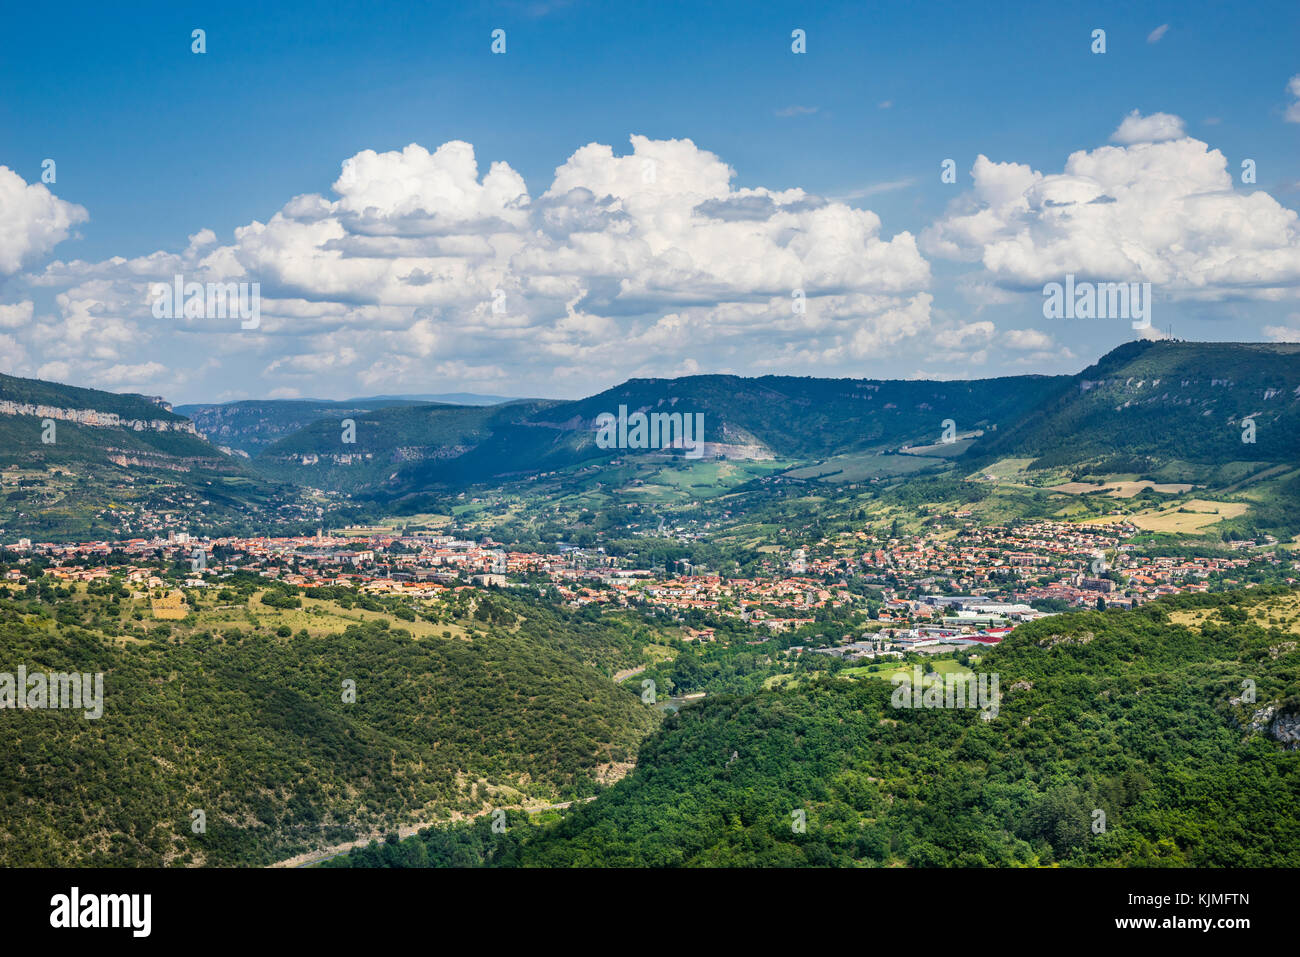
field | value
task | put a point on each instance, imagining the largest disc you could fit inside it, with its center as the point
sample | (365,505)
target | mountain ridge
(1179,410)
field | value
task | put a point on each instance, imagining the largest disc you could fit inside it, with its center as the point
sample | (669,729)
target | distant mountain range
(450,398)
(250,425)
(1191,404)
(401,450)
(80,463)
(1170,401)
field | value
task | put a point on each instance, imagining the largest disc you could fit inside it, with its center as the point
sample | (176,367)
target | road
(327,853)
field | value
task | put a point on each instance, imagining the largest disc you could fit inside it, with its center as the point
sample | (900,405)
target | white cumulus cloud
(422,267)
(32,220)
(1159,210)
(1154,128)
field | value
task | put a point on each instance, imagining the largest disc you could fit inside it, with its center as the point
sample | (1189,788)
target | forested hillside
(504,702)
(1179,400)
(253,424)
(1139,716)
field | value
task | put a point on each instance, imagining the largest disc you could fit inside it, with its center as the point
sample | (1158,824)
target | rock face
(1259,720)
(1283,728)
(751,452)
(107,420)
(1286,729)
(1051,641)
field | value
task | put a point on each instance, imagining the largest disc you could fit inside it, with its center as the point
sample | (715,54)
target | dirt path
(325,853)
(621,676)
(307,858)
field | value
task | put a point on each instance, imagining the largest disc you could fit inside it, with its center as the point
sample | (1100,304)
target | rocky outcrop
(137,459)
(1286,729)
(93,417)
(1281,727)
(1051,641)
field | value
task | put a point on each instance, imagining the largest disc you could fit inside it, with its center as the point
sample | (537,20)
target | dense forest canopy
(1122,739)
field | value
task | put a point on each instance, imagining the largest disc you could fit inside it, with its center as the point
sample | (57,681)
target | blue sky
(156,143)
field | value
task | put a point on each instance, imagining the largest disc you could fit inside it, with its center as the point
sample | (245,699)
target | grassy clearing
(860,466)
(678,480)
(1004,472)
(316,616)
(886,672)
(1278,612)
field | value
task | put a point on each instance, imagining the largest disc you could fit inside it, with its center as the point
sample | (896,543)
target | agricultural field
(1122,487)
(943,450)
(169,607)
(861,466)
(1190,517)
(1012,471)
